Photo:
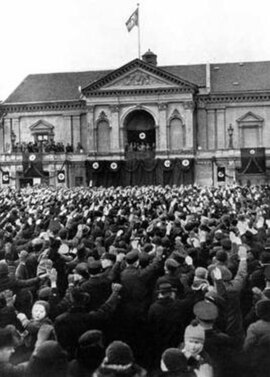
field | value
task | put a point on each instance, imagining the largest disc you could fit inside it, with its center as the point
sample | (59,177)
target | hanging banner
(5,178)
(221,174)
(61,176)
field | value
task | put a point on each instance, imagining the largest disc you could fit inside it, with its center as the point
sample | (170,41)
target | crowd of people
(46,146)
(135,281)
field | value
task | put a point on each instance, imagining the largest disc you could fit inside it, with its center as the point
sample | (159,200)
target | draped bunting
(252,160)
(140,172)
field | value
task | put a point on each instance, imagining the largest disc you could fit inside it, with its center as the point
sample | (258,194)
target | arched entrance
(140,135)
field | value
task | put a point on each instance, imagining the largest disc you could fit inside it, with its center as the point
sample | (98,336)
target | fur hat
(174,360)
(132,256)
(205,311)
(171,264)
(82,269)
(263,309)
(119,353)
(44,293)
(195,332)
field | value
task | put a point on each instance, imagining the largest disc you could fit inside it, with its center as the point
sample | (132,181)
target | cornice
(132,92)
(233,97)
(46,106)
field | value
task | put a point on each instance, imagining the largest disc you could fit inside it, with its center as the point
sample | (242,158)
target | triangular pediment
(138,75)
(250,117)
(42,125)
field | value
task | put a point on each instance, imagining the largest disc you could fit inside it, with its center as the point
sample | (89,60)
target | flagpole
(139,37)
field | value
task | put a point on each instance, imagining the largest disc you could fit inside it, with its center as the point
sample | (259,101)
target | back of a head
(49,360)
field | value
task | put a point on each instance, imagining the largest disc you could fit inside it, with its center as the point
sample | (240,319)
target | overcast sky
(79,35)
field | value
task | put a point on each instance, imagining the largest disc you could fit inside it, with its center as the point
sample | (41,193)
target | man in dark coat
(70,325)
(167,318)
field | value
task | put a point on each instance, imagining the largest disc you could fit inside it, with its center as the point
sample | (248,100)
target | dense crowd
(46,146)
(135,281)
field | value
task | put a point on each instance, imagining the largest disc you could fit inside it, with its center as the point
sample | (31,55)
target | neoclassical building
(139,124)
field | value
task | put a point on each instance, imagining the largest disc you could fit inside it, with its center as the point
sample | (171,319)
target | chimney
(150,58)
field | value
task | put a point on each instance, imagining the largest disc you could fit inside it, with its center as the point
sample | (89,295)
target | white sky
(77,35)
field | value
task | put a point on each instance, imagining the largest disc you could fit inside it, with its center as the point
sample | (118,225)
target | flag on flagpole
(133,20)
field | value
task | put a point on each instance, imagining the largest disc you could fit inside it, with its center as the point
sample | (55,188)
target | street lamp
(230,132)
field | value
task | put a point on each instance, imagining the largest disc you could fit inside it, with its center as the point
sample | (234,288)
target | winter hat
(263,309)
(201,273)
(132,256)
(82,269)
(6,337)
(165,287)
(119,353)
(195,333)
(221,256)
(171,264)
(3,268)
(94,267)
(90,351)
(200,279)
(44,293)
(89,338)
(174,360)
(49,359)
(205,311)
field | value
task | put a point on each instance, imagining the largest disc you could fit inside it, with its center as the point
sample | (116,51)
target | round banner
(167,163)
(95,165)
(32,157)
(114,165)
(142,136)
(61,177)
(185,163)
(5,177)
(221,174)
(252,151)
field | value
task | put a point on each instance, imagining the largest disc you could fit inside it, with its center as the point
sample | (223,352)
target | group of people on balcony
(46,146)
(140,146)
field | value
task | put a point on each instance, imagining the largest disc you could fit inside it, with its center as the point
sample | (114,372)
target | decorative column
(211,141)
(115,131)
(189,109)
(67,130)
(161,139)
(90,142)
(16,128)
(7,135)
(221,130)
(76,123)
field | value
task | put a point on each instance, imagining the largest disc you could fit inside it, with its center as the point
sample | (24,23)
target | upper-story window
(177,131)
(250,130)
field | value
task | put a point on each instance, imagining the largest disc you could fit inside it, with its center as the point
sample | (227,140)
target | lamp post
(230,132)
(13,139)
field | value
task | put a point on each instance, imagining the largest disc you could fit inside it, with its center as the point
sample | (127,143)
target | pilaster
(91,137)
(161,130)
(76,126)
(115,131)
(189,110)
(211,129)
(221,130)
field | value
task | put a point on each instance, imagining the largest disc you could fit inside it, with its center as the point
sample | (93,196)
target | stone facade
(189,121)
